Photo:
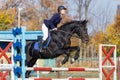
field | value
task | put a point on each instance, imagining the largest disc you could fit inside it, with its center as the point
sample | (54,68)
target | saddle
(39,45)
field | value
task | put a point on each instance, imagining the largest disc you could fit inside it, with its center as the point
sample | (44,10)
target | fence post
(103,61)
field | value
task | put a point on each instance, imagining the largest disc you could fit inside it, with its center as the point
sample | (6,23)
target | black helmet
(61,8)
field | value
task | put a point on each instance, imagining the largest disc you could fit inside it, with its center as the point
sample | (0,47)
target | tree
(79,3)
(83,5)
(33,12)
(112,33)
(6,19)
(87,4)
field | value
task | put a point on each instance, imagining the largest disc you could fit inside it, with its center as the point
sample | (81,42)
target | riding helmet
(61,8)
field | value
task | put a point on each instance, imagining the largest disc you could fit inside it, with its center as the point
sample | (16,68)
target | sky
(96,6)
(98,11)
(106,5)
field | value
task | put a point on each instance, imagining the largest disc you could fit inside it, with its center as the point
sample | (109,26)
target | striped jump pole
(67,79)
(60,79)
(62,69)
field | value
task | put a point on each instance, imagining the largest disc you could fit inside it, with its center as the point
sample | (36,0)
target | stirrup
(41,51)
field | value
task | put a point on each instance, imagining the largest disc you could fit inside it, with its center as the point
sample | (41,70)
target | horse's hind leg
(31,63)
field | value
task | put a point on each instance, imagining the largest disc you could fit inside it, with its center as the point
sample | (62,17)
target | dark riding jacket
(54,21)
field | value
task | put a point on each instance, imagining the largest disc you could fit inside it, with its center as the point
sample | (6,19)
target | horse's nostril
(86,41)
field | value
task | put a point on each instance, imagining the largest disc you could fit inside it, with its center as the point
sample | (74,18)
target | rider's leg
(40,42)
(45,36)
(45,32)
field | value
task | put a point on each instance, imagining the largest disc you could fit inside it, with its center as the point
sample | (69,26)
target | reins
(69,33)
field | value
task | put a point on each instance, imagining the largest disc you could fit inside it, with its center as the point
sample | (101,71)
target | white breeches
(45,32)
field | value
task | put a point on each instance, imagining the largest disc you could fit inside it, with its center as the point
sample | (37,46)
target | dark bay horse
(60,43)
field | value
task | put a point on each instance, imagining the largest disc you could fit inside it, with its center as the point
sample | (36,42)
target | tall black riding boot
(40,43)
(40,46)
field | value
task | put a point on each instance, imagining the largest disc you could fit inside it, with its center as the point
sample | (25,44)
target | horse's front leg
(66,58)
(77,49)
(62,51)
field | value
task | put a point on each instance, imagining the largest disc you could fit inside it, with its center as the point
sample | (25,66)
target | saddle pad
(36,46)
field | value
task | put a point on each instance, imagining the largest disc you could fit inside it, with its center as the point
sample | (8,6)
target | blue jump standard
(19,37)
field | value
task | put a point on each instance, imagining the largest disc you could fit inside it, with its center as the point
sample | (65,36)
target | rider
(52,23)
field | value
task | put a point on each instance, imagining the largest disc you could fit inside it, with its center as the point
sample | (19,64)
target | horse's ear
(84,21)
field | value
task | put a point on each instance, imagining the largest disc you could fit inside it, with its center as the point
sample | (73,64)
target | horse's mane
(68,23)
(72,22)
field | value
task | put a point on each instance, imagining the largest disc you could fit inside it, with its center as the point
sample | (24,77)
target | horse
(60,43)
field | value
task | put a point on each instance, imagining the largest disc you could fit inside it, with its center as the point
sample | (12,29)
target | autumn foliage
(113,33)
(6,20)
(32,14)
(110,36)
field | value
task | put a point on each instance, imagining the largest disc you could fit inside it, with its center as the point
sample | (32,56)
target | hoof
(72,60)
(27,75)
(19,75)
(63,62)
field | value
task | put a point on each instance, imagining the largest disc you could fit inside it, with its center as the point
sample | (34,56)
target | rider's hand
(55,29)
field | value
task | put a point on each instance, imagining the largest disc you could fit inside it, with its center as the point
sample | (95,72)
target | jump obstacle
(19,42)
(5,67)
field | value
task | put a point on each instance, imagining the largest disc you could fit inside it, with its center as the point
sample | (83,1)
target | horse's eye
(85,28)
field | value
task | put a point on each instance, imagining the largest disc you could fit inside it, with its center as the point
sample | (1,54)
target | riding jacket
(54,21)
